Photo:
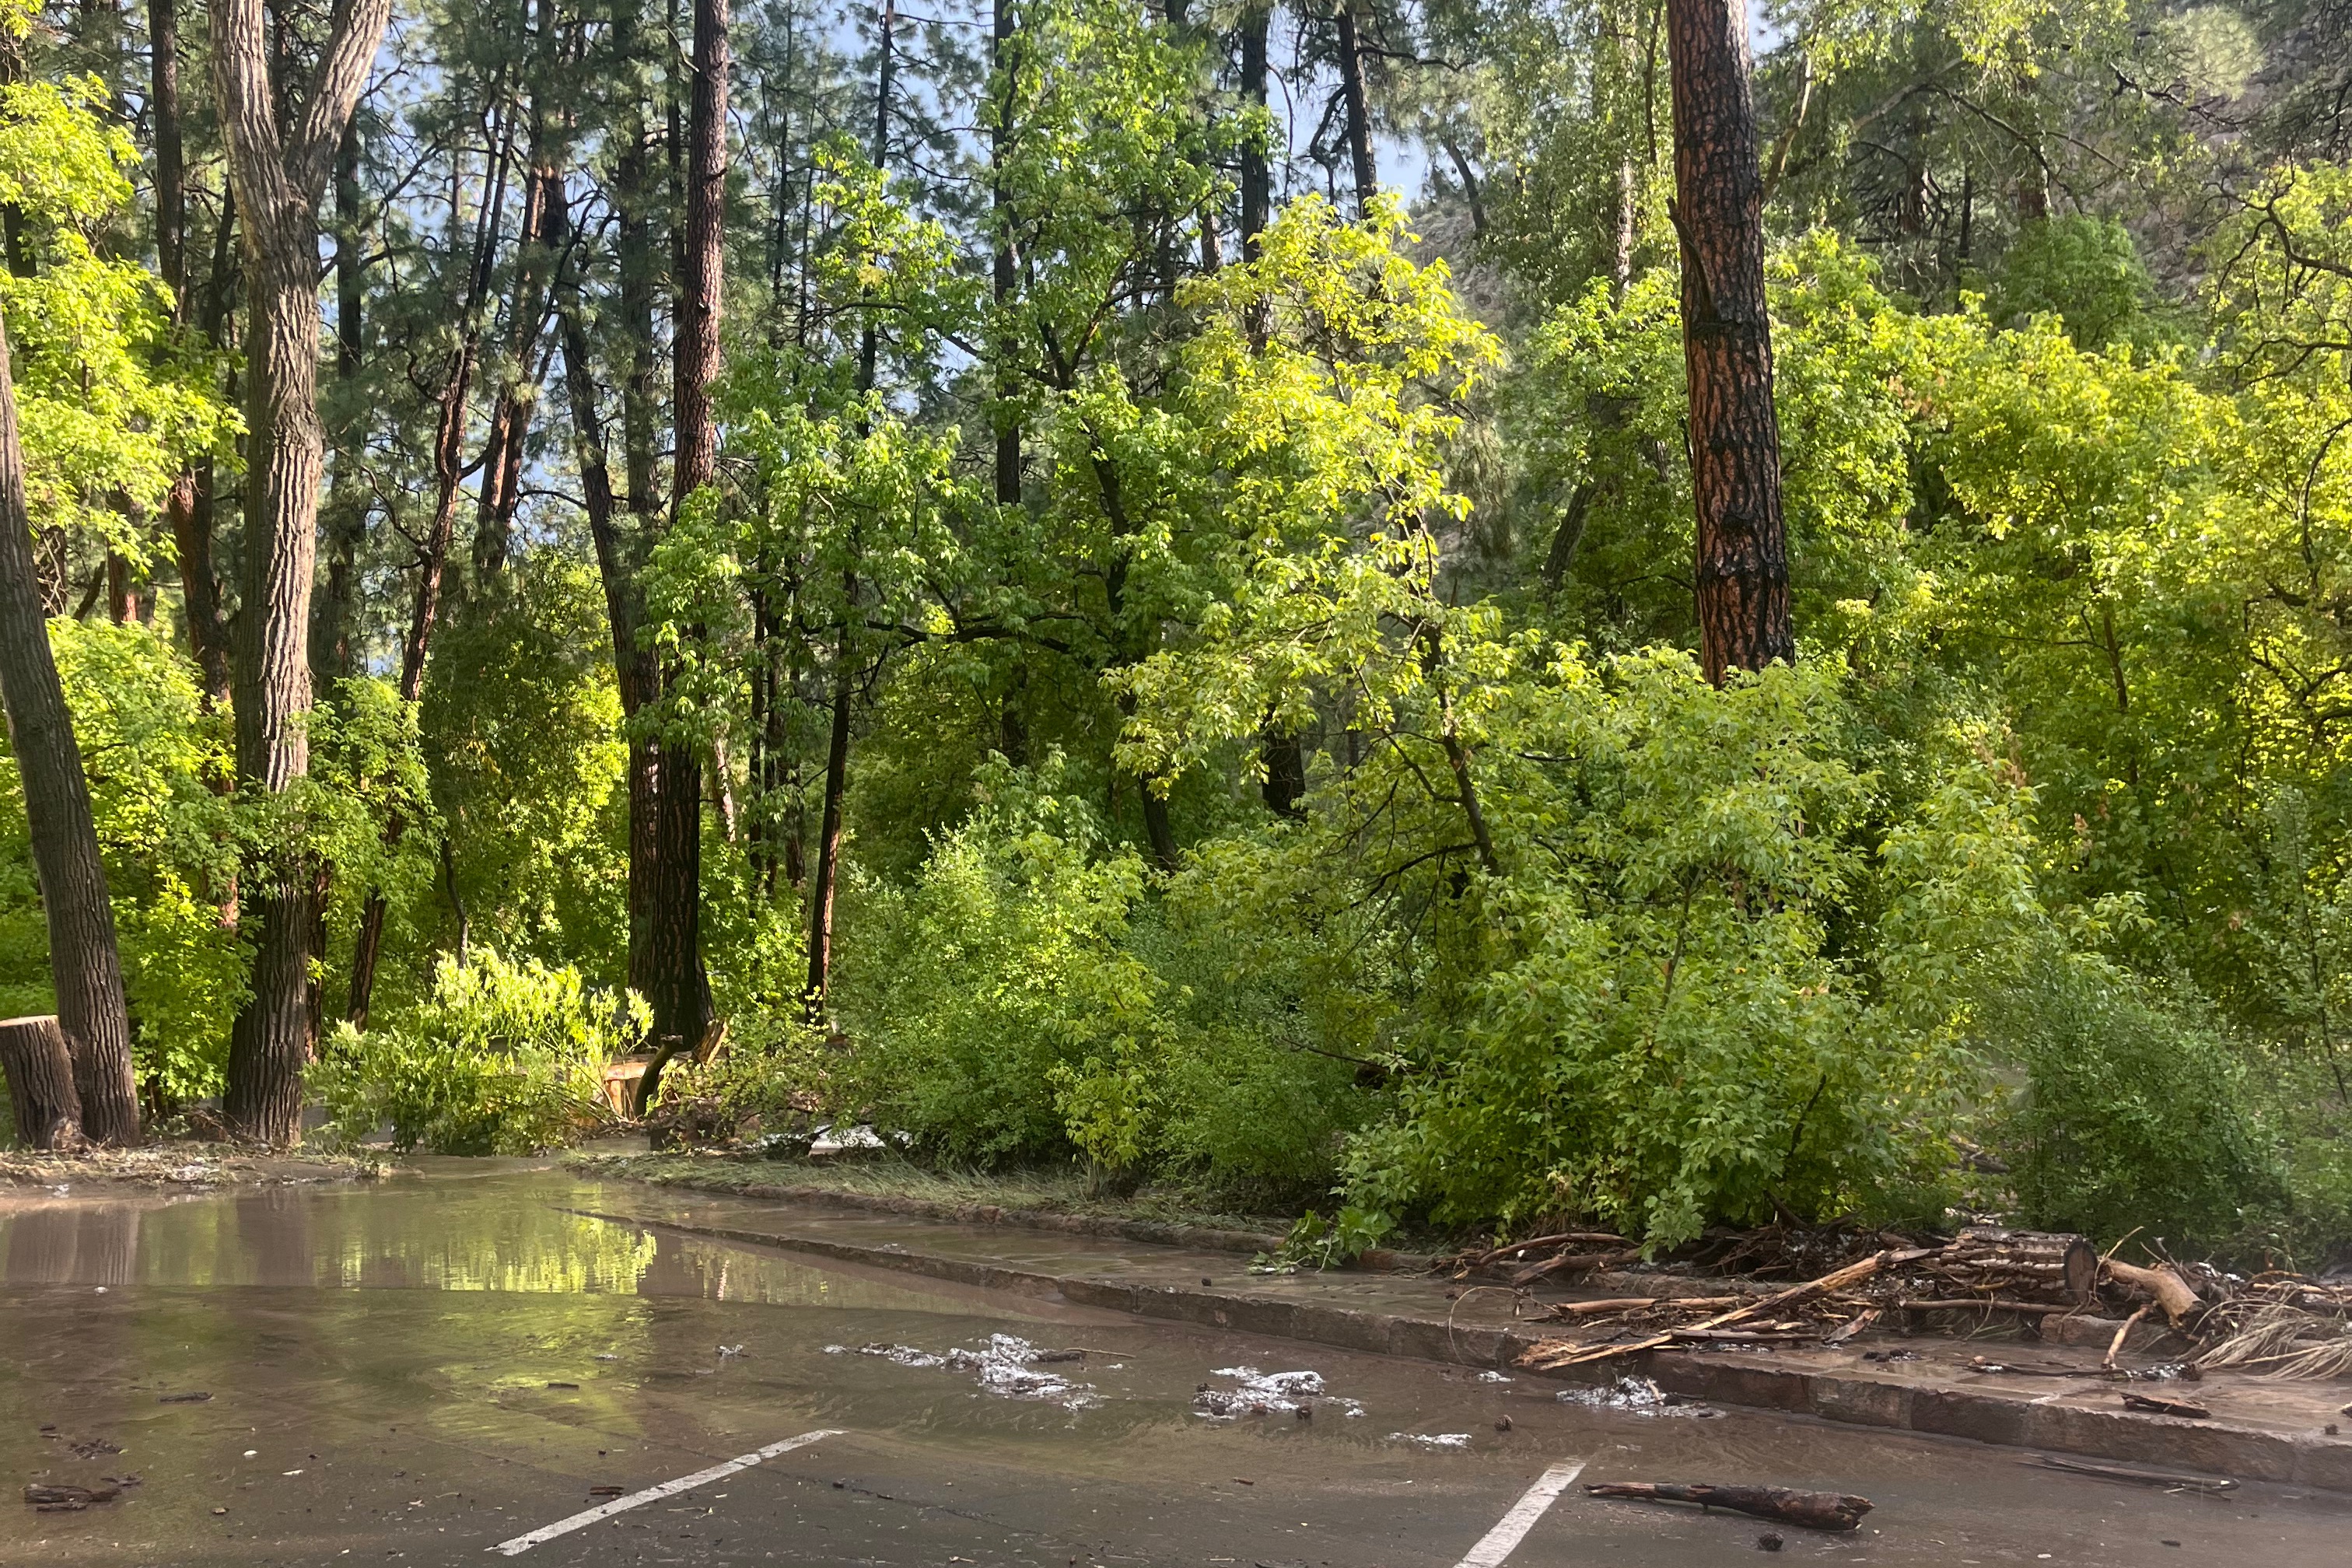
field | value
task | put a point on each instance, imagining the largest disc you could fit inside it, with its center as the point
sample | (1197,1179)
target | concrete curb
(2219,1448)
(1160,1233)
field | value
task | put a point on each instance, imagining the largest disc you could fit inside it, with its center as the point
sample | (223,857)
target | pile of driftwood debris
(2274,1323)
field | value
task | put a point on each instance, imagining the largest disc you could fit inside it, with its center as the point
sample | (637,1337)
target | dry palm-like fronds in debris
(2281,1328)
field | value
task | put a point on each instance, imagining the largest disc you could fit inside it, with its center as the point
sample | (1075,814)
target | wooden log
(41,1090)
(1983,1304)
(2148,1404)
(1815,1510)
(2056,1261)
(2162,1286)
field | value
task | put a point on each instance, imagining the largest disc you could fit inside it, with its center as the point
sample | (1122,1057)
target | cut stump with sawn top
(41,1090)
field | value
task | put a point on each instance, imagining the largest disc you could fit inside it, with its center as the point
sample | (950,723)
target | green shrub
(2136,1113)
(1733,988)
(500,1058)
(993,1004)
(1032,996)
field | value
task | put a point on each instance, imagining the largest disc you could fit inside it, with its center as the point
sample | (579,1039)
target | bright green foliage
(1723,972)
(500,1058)
(1290,777)
(1023,998)
(108,400)
(1303,456)
(1319,1244)
(1000,1015)
(2084,270)
(520,731)
(156,764)
(2137,1113)
(108,410)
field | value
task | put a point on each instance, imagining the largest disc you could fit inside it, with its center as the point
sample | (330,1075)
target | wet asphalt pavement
(418,1371)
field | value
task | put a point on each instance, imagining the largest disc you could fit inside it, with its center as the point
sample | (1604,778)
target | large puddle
(456,1226)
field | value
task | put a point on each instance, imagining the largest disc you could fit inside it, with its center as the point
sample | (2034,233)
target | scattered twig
(2126,1473)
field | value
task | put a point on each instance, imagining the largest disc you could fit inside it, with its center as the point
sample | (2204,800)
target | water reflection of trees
(496,1236)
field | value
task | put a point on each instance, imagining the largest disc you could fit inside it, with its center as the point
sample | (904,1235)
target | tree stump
(41,1083)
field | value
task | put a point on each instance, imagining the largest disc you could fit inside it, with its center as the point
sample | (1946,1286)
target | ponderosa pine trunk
(280,176)
(1741,572)
(653,883)
(85,966)
(672,979)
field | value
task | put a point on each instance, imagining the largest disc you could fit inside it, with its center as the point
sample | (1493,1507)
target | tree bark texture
(347,504)
(828,850)
(39,1068)
(545,222)
(1742,555)
(85,966)
(1002,278)
(189,507)
(666,776)
(1358,107)
(170,167)
(280,177)
(664,907)
(1257,179)
(702,281)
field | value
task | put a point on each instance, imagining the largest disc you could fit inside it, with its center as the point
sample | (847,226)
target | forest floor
(183,1164)
(886,1183)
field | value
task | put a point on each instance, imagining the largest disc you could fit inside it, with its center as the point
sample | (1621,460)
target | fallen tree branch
(1567,1261)
(2116,1345)
(1815,1510)
(1984,1303)
(1518,1250)
(2162,1286)
(1552,1354)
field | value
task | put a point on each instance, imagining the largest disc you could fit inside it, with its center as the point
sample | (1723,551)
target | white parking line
(522,1544)
(1513,1527)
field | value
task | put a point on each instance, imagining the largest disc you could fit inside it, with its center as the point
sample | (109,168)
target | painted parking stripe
(669,1489)
(1513,1527)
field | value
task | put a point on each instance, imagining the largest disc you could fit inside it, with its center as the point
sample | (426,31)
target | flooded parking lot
(425,1369)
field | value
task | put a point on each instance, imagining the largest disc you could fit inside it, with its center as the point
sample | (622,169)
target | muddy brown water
(416,1370)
